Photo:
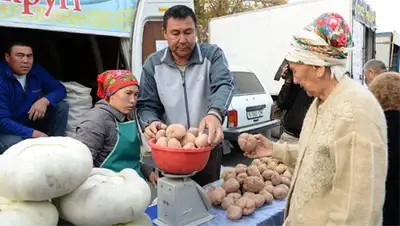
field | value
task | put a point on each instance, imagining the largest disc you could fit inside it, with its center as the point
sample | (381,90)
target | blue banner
(364,14)
(102,17)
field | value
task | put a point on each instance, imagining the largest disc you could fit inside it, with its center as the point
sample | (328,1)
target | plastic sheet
(271,215)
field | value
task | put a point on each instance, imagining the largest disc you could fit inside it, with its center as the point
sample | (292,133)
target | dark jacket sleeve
(149,107)
(222,83)
(287,95)
(7,125)
(92,135)
(146,170)
(392,205)
(54,90)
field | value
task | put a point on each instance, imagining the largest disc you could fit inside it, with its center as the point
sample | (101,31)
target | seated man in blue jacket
(31,100)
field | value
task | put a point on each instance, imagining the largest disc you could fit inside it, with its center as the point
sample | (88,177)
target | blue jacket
(15,102)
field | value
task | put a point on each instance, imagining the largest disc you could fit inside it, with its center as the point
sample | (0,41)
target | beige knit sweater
(341,161)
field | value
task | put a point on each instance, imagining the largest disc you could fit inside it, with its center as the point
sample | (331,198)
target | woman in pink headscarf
(110,129)
(341,159)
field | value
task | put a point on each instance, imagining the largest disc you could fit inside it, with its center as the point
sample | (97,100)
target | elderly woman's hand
(263,148)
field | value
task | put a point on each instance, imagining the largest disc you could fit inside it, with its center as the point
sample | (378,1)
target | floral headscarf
(109,82)
(322,43)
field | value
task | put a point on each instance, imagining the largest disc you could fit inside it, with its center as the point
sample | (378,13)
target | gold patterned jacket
(340,161)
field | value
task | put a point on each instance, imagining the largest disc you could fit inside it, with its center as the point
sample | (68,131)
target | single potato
(285,181)
(287,174)
(256,162)
(268,182)
(176,131)
(248,194)
(285,187)
(267,174)
(174,143)
(269,188)
(264,160)
(235,196)
(267,196)
(247,142)
(240,177)
(234,212)
(231,185)
(227,202)
(216,195)
(189,146)
(201,141)
(262,168)
(247,205)
(194,131)
(272,166)
(258,199)
(276,179)
(280,168)
(162,141)
(229,173)
(279,192)
(253,184)
(253,171)
(160,133)
(188,138)
(241,168)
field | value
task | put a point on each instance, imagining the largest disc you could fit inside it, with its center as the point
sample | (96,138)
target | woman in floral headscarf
(109,129)
(341,159)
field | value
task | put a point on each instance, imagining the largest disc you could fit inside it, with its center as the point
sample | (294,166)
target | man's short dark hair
(16,43)
(375,65)
(178,12)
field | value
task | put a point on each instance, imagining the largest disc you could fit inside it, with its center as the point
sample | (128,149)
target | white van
(259,39)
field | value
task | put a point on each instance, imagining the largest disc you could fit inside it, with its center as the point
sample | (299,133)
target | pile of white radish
(44,178)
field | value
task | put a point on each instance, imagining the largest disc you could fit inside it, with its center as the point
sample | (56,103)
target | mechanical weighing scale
(181,201)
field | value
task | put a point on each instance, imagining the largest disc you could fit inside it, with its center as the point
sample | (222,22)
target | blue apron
(126,152)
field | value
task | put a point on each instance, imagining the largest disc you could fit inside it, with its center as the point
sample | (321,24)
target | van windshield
(247,83)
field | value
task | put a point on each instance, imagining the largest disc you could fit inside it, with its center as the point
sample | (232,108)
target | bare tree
(207,9)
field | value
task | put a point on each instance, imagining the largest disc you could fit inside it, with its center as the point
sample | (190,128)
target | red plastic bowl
(178,160)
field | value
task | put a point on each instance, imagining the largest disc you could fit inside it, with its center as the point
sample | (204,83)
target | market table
(271,215)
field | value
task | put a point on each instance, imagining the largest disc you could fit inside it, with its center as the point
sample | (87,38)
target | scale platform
(181,201)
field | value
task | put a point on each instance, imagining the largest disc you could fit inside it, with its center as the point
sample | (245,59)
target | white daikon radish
(106,198)
(27,213)
(43,168)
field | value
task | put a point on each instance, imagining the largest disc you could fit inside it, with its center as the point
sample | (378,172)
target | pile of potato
(176,136)
(247,188)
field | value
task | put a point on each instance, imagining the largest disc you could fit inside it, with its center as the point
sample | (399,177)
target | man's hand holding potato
(151,130)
